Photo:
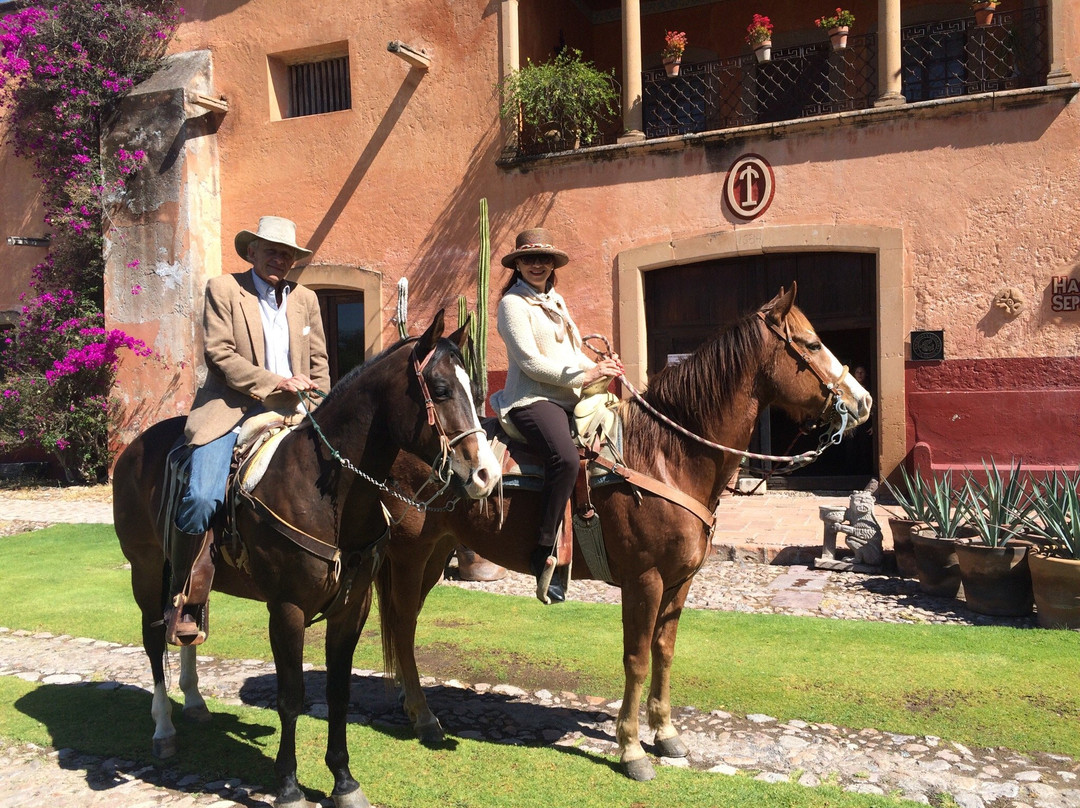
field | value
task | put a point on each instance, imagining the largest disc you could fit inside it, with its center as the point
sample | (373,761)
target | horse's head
(811,385)
(441,387)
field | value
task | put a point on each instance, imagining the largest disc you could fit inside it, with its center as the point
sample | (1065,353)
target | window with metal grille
(318,87)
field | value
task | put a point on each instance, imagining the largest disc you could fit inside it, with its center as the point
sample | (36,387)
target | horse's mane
(694,392)
(347,381)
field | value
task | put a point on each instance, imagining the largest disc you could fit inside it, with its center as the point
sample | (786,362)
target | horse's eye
(813,345)
(441,392)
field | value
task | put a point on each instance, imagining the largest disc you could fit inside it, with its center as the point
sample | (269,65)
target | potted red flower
(759,37)
(671,55)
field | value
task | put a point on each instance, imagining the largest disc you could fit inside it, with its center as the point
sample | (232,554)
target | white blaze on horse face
(852,392)
(481,480)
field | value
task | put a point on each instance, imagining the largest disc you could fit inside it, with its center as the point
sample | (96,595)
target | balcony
(939,60)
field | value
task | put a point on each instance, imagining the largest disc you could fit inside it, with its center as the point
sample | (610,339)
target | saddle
(597,432)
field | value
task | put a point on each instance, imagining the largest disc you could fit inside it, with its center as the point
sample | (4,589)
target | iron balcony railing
(939,60)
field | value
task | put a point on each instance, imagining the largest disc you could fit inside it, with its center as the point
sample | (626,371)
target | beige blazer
(234,353)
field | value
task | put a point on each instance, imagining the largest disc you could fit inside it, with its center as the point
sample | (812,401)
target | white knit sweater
(543,346)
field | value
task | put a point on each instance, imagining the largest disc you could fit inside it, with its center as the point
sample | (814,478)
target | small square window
(309,81)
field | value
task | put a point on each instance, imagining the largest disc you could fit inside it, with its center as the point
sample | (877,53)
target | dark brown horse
(414,396)
(654,547)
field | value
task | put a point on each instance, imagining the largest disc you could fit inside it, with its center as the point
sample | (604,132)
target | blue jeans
(205,490)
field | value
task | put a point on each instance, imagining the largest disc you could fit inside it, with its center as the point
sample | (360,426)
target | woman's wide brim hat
(537,241)
(271,228)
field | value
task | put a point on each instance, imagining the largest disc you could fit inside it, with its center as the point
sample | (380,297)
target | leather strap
(661,489)
(317,547)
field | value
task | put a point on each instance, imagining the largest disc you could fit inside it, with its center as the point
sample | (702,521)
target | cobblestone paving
(918,768)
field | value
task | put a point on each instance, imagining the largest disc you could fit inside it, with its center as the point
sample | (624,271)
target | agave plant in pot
(910,497)
(1054,523)
(935,545)
(994,563)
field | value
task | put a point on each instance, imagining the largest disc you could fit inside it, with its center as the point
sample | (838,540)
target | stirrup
(181,627)
(545,593)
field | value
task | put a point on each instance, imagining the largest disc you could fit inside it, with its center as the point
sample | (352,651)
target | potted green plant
(565,99)
(671,55)
(837,26)
(1054,523)
(935,545)
(909,496)
(984,11)
(759,37)
(994,563)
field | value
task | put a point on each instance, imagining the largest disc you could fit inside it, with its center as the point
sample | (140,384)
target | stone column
(163,238)
(511,61)
(631,42)
(1055,26)
(889,54)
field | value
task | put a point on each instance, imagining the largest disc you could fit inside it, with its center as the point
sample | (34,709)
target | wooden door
(684,305)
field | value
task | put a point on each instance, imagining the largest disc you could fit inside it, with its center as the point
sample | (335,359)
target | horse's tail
(384,588)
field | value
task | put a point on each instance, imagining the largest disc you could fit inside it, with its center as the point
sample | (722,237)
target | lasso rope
(796,461)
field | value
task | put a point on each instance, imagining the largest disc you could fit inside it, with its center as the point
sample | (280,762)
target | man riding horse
(263,346)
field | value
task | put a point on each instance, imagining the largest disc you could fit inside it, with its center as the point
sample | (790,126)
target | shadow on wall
(454,236)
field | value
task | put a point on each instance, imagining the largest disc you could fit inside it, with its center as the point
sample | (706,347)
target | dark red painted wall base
(962,412)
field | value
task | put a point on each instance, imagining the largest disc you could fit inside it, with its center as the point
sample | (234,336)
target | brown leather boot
(189,589)
(472,567)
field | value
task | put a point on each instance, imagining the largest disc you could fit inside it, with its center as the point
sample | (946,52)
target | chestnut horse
(416,396)
(654,546)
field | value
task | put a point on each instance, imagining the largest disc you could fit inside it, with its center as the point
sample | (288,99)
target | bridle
(834,401)
(833,398)
(441,467)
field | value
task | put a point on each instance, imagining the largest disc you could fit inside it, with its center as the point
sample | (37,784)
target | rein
(441,471)
(796,461)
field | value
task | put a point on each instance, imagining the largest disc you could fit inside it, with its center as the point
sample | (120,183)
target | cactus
(480,325)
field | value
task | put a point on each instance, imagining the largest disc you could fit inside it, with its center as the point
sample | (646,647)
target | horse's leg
(408,592)
(640,605)
(194,704)
(668,743)
(164,741)
(342,632)
(287,643)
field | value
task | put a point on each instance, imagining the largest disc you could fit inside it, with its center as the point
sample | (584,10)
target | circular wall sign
(749,187)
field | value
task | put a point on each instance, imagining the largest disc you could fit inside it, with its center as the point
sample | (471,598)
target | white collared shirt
(275,325)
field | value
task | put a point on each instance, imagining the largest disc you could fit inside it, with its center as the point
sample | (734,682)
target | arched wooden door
(684,305)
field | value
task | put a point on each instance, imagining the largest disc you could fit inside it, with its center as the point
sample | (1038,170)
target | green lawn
(977,686)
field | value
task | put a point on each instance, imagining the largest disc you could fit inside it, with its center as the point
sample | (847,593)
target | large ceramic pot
(996,580)
(903,550)
(938,567)
(1055,583)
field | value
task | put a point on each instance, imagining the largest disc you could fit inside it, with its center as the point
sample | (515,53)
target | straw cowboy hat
(535,242)
(271,228)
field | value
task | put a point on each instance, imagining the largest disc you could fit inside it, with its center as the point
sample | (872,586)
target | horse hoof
(197,714)
(431,734)
(672,747)
(165,747)
(292,801)
(353,799)
(640,769)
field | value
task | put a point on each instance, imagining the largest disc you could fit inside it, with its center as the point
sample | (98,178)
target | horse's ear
(777,308)
(426,343)
(461,336)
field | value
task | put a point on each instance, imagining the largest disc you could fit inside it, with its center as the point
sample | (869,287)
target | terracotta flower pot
(763,51)
(903,550)
(984,13)
(996,580)
(938,567)
(671,67)
(1055,583)
(838,37)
